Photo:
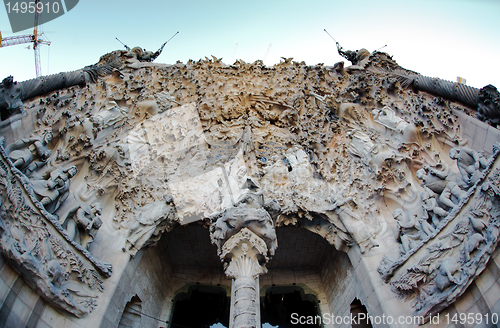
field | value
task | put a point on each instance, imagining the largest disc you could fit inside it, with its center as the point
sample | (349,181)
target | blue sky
(441,38)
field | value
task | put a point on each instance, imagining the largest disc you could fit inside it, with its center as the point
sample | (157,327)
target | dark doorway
(201,307)
(289,306)
(360,315)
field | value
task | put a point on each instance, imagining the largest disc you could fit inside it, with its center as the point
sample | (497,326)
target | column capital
(245,254)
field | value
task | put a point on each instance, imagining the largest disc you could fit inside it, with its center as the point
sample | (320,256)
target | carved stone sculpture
(353,56)
(242,216)
(389,119)
(82,224)
(142,54)
(437,181)
(412,229)
(10,98)
(54,190)
(303,133)
(446,261)
(112,116)
(150,222)
(469,162)
(431,208)
(65,274)
(28,155)
(489,105)
(362,146)
(356,227)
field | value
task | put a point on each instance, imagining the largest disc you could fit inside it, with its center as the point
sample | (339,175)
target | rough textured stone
(187,154)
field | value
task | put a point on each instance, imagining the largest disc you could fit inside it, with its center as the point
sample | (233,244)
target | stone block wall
(147,275)
(479,135)
(341,286)
(20,305)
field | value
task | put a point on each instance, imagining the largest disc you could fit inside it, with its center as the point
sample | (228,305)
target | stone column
(246,254)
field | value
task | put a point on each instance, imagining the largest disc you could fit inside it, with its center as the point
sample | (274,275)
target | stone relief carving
(12,94)
(389,119)
(447,259)
(10,98)
(28,155)
(353,223)
(485,100)
(247,212)
(65,274)
(303,133)
(54,189)
(83,222)
(151,221)
(353,56)
(470,163)
(111,116)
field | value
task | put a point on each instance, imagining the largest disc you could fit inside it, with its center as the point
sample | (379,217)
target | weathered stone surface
(351,154)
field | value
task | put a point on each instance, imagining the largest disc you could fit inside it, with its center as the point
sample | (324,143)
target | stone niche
(131,191)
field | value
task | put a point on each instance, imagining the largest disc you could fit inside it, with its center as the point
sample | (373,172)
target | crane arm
(14,40)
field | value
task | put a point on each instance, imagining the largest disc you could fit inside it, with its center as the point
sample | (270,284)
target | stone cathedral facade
(137,194)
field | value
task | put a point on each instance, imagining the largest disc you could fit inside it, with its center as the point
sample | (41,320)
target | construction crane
(35,38)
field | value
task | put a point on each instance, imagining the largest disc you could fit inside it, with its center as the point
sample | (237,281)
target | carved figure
(434,179)
(240,185)
(469,163)
(112,115)
(53,191)
(28,155)
(445,277)
(149,222)
(362,146)
(438,181)
(142,54)
(246,213)
(353,56)
(10,98)
(389,119)
(488,109)
(148,56)
(451,192)
(473,244)
(55,272)
(412,229)
(356,227)
(83,222)
(301,171)
(431,208)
